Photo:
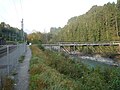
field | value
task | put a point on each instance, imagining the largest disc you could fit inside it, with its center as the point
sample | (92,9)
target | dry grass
(8,84)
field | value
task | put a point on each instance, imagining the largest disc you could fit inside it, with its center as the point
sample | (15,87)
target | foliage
(99,24)
(52,71)
(7,84)
(10,33)
(35,37)
(21,59)
(44,77)
(41,47)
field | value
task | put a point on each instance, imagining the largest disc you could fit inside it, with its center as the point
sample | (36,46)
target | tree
(35,37)
(118,17)
(99,24)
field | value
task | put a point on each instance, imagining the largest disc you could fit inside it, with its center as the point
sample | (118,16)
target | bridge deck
(83,44)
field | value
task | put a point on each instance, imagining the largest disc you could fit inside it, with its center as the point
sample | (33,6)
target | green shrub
(21,59)
(41,47)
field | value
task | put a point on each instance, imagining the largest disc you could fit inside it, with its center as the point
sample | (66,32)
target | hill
(99,24)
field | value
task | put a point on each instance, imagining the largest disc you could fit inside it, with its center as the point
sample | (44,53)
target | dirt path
(23,74)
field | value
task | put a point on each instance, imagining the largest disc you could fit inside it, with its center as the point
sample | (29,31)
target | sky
(41,15)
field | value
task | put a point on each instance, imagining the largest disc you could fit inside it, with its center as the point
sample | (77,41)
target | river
(94,61)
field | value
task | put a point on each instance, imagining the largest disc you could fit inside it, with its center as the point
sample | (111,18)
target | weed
(50,70)
(21,59)
(8,83)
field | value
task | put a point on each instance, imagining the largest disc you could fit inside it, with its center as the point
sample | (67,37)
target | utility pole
(23,36)
(22,32)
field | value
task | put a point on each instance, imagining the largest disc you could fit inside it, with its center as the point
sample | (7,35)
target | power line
(15,9)
(18,14)
(21,8)
(22,27)
(18,19)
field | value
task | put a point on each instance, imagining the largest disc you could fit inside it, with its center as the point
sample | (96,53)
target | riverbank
(57,71)
(116,58)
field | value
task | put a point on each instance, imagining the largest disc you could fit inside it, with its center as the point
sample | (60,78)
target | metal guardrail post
(8,66)
(17,54)
(24,47)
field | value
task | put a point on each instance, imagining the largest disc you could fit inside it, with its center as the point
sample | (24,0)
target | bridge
(82,44)
(72,46)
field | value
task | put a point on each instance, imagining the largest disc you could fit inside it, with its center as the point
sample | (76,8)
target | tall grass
(7,83)
(54,71)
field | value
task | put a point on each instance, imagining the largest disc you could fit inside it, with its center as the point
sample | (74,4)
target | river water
(94,61)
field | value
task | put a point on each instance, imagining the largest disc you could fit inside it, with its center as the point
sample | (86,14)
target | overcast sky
(40,15)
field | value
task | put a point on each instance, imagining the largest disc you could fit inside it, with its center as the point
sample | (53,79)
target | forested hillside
(99,24)
(9,33)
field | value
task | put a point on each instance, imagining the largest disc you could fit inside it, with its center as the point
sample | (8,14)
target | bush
(41,47)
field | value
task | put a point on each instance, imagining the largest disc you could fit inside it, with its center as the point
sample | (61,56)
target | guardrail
(3,50)
(9,56)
